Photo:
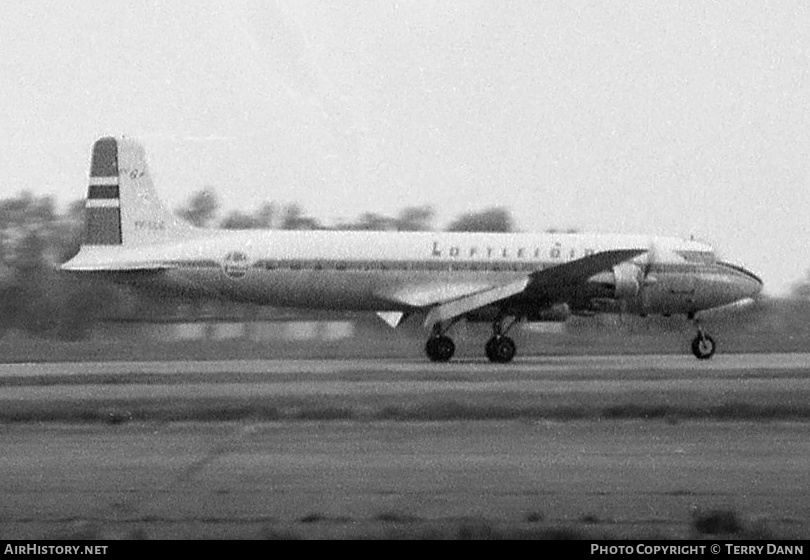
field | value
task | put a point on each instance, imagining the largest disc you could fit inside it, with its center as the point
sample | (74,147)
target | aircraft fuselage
(378,271)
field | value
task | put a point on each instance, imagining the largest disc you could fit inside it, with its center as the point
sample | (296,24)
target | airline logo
(235,265)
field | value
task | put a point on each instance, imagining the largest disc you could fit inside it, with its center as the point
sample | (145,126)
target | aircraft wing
(443,297)
(550,280)
(573,273)
(474,301)
(425,294)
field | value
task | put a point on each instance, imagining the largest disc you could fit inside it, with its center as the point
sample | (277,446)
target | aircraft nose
(753,286)
(742,282)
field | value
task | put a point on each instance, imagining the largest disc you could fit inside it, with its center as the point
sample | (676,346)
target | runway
(777,379)
(616,446)
(545,364)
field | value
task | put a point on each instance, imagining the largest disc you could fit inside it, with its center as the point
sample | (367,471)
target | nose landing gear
(703,346)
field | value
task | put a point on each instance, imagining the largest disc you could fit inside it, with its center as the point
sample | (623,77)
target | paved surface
(183,480)
(549,364)
(740,374)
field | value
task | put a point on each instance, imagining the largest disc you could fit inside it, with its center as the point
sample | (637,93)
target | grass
(382,395)
(324,409)
(727,523)
(534,517)
(313,518)
(395,517)
(716,523)
(395,527)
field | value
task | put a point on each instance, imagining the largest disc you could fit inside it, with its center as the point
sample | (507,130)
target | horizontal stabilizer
(115,267)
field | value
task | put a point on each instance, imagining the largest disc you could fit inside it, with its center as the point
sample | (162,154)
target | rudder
(122,205)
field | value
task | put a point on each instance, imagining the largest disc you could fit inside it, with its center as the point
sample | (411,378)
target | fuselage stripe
(304,265)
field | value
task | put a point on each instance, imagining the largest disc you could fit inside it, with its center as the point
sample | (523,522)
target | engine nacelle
(626,280)
(558,313)
(612,291)
(622,283)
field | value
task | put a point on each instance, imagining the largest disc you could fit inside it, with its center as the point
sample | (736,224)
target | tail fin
(122,205)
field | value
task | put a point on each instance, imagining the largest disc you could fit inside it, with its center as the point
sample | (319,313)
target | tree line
(203,207)
(35,237)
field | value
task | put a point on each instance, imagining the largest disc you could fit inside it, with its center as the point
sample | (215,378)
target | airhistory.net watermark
(53,549)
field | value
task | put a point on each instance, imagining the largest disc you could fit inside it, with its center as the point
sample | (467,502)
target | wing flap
(432,293)
(469,303)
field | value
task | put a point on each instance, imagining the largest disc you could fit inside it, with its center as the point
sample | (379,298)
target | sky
(688,118)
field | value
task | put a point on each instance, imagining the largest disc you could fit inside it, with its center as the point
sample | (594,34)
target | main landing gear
(440,348)
(500,349)
(703,346)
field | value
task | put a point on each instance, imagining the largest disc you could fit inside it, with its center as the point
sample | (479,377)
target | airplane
(500,278)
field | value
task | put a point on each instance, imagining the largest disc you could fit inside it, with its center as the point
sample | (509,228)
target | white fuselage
(397,271)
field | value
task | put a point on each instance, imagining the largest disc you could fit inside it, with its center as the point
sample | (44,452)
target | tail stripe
(103,203)
(102,191)
(104,180)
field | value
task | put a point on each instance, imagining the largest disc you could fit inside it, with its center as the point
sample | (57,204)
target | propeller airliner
(443,277)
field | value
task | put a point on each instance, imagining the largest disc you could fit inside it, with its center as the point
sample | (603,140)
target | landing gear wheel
(703,347)
(440,348)
(488,349)
(500,349)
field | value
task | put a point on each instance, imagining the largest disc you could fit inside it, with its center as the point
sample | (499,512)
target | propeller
(644,277)
(652,258)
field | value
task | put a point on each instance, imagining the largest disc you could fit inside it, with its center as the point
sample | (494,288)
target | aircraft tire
(488,350)
(500,349)
(440,348)
(703,347)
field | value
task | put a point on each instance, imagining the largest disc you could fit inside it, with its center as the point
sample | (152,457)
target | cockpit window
(706,257)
